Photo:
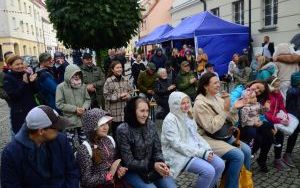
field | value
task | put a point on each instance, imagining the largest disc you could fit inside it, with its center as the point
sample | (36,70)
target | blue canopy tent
(152,37)
(220,39)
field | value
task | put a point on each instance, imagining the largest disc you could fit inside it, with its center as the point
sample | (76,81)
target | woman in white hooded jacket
(183,148)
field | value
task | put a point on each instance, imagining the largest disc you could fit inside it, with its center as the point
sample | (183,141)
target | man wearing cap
(40,156)
(59,67)
(94,79)
(186,81)
(146,80)
(210,68)
(46,81)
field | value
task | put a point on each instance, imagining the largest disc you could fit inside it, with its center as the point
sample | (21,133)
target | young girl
(278,115)
(96,157)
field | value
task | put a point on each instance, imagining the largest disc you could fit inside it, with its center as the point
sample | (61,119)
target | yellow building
(21,27)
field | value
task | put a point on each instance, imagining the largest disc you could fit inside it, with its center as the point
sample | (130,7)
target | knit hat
(43,116)
(44,57)
(93,119)
(151,66)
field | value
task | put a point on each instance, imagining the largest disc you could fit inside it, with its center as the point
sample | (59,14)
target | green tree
(94,24)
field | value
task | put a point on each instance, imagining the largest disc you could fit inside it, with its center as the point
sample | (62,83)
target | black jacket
(270,47)
(140,147)
(136,69)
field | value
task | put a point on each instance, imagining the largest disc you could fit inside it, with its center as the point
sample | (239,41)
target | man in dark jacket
(46,81)
(268,48)
(94,79)
(159,59)
(60,65)
(39,156)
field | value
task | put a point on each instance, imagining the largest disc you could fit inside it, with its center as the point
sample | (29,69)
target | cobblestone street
(290,179)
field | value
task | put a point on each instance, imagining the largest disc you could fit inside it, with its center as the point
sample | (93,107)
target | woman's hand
(121,172)
(285,122)
(32,77)
(25,78)
(162,169)
(210,157)
(239,103)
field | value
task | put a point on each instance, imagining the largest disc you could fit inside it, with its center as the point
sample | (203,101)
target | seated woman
(140,148)
(184,149)
(264,134)
(266,69)
(211,112)
(97,156)
(162,90)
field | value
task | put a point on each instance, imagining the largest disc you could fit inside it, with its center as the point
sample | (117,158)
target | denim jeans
(246,151)
(137,182)
(235,159)
(208,173)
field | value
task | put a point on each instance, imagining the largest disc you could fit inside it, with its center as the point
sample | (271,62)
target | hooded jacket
(68,98)
(51,165)
(92,174)
(139,145)
(267,71)
(159,61)
(183,83)
(180,139)
(276,104)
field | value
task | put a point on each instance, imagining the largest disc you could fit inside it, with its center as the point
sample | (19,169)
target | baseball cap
(185,63)
(44,57)
(41,117)
(86,55)
(104,120)
(151,66)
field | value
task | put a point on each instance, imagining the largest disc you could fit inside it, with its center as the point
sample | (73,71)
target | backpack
(89,147)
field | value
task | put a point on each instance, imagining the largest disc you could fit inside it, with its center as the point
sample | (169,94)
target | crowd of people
(77,125)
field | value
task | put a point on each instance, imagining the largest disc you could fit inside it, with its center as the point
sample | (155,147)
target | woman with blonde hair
(266,69)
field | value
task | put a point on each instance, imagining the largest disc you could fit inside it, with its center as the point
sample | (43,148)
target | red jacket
(275,108)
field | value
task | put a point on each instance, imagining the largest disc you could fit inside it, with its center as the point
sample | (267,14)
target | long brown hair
(112,66)
(96,156)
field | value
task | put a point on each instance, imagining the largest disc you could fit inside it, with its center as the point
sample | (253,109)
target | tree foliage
(94,24)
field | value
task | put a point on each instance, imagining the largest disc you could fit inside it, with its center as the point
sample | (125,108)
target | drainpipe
(204,4)
(250,51)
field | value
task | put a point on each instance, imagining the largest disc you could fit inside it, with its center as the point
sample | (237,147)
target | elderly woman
(96,157)
(212,113)
(163,88)
(201,60)
(183,148)
(140,148)
(266,69)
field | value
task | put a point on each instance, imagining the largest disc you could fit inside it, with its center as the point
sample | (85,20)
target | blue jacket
(47,86)
(21,97)
(52,165)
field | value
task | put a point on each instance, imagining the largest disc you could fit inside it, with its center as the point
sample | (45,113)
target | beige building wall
(288,17)
(158,14)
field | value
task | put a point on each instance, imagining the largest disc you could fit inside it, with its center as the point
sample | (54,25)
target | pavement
(284,179)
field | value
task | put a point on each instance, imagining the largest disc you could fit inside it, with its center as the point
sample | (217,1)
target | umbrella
(296,41)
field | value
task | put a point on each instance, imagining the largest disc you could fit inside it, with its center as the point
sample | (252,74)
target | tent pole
(171,43)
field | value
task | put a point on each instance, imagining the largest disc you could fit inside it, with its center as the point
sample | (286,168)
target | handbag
(225,132)
(293,122)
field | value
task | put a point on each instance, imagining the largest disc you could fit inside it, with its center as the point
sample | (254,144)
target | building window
(215,11)
(25,8)
(27,28)
(40,33)
(37,31)
(14,23)
(238,12)
(32,30)
(19,5)
(270,12)
(25,50)
(29,9)
(22,26)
